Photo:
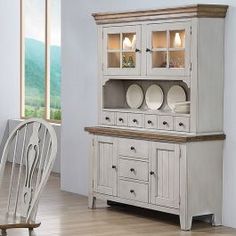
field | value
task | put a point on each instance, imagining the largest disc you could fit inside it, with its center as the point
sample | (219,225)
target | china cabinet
(159,139)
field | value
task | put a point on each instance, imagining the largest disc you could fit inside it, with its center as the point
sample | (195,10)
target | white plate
(154,97)
(176,94)
(134,96)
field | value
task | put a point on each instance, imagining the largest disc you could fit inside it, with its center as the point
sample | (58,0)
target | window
(41,59)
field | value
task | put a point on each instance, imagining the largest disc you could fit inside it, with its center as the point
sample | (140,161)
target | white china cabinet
(159,139)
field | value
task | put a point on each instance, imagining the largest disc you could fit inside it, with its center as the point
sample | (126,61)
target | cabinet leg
(92,202)
(185,222)
(216,219)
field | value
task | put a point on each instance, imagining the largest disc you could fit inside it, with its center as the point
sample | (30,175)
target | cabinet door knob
(181,124)
(131,191)
(113,167)
(148,50)
(132,170)
(132,148)
(149,122)
(135,121)
(152,173)
(164,123)
(121,120)
(137,50)
(107,118)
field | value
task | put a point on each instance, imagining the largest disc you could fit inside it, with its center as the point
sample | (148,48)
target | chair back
(31,149)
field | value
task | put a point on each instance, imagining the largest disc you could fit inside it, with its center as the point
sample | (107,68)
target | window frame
(47,63)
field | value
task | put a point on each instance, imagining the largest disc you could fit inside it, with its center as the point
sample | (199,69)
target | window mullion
(47,60)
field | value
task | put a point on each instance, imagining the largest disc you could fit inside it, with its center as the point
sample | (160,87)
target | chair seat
(9,222)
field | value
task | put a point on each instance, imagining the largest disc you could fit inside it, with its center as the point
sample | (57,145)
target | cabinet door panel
(165,180)
(168,49)
(105,180)
(122,50)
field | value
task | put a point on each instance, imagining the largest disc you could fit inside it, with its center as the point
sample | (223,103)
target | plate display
(154,97)
(134,96)
(175,94)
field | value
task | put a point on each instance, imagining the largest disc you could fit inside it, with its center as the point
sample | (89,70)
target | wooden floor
(67,214)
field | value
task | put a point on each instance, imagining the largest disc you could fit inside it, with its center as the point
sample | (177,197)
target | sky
(34,17)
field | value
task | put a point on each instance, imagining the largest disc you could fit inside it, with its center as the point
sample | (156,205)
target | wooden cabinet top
(152,136)
(190,11)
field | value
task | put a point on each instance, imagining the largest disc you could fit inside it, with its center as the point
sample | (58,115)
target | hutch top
(162,69)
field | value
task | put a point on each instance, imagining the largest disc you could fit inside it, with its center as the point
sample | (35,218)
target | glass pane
(113,60)
(159,39)
(177,39)
(55,59)
(129,41)
(128,60)
(113,41)
(159,59)
(177,59)
(34,56)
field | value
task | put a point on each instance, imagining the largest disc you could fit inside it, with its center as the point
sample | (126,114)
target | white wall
(79,59)
(9,63)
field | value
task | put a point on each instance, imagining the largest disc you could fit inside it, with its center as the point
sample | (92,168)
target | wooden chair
(31,149)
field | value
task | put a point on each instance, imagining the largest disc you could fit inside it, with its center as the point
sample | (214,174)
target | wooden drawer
(150,121)
(182,124)
(133,190)
(133,148)
(135,120)
(165,122)
(108,118)
(122,119)
(133,169)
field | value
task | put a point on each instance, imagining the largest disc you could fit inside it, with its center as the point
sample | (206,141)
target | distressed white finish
(182,179)
(32,161)
(165,179)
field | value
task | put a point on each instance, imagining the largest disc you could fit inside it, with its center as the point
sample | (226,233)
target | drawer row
(138,120)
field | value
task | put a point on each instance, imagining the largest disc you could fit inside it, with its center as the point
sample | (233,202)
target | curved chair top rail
(31,149)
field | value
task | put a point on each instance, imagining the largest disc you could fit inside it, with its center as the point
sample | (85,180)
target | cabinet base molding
(185,222)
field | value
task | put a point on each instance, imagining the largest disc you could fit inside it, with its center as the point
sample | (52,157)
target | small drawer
(165,122)
(135,120)
(182,124)
(108,118)
(150,121)
(121,119)
(133,169)
(133,190)
(133,148)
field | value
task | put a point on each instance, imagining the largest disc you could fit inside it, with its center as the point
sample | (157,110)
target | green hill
(35,76)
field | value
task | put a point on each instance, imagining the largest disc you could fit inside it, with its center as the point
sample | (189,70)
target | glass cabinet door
(122,51)
(168,49)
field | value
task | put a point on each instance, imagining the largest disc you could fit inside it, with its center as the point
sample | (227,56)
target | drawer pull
(181,124)
(107,118)
(148,50)
(132,169)
(113,167)
(135,121)
(137,50)
(121,120)
(149,122)
(165,123)
(131,191)
(132,148)
(152,173)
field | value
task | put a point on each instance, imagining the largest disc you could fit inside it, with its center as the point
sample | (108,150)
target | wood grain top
(190,11)
(152,135)
(11,222)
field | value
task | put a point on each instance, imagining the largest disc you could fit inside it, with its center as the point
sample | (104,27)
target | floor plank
(63,213)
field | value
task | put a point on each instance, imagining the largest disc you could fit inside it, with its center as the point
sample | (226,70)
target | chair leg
(31,230)
(4,232)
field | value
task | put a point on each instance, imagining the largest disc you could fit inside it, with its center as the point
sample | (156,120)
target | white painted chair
(31,150)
